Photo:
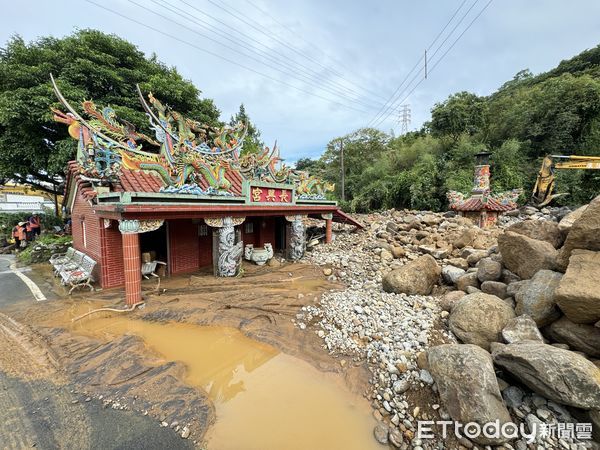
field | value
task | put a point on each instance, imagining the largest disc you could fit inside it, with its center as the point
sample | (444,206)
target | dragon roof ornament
(184,150)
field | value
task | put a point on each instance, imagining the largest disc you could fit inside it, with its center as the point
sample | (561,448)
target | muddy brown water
(264,399)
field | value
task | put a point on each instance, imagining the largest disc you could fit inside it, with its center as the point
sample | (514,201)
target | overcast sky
(345,58)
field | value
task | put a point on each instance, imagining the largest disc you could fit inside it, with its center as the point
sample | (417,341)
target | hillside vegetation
(557,112)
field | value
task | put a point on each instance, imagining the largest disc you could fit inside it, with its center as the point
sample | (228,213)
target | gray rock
(582,337)
(514,287)
(451,274)
(488,270)
(559,375)
(536,297)
(416,277)
(496,288)
(479,319)
(584,234)
(381,432)
(400,386)
(468,279)
(449,299)
(542,230)
(525,256)
(578,294)
(513,396)
(425,377)
(466,382)
(567,221)
(521,328)
(508,277)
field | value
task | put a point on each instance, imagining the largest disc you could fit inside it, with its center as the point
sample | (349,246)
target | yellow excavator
(544,185)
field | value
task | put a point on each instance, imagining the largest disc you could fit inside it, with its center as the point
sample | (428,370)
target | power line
(276,39)
(298,35)
(287,72)
(209,52)
(265,54)
(397,101)
(374,121)
(444,54)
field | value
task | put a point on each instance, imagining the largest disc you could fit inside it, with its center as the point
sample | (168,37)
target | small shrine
(483,207)
(183,195)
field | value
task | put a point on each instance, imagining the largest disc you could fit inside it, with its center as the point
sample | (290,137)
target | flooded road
(264,399)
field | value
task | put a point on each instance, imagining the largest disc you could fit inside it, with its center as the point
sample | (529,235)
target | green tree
(460,113)
(252,142)
(87,65)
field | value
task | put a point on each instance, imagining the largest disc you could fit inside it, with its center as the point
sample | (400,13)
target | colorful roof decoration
(479,203)
(183,157)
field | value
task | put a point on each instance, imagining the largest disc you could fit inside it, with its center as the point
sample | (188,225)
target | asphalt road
(12,288)
(40,414)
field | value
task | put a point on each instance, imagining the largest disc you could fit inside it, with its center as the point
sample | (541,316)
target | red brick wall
(83,212)
(113,271)
(184,246)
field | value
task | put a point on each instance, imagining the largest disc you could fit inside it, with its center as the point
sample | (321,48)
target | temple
(483,207)
(185,193)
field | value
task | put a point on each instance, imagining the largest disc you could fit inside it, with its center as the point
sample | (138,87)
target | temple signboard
(262,194)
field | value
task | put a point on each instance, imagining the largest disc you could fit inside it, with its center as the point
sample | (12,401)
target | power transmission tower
(404,118)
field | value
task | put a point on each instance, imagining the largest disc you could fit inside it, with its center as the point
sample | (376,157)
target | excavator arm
(544,185)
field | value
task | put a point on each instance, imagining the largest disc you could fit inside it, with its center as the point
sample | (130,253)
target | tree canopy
(86,65)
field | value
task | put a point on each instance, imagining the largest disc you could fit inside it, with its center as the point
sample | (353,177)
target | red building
(185,194)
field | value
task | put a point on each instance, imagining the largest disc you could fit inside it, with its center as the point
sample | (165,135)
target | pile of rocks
(550,213)
(418,278)
(532,302)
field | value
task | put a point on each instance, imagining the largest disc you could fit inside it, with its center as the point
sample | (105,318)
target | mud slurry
(264,399)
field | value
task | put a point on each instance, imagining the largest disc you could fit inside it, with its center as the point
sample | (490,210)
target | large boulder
(416,277)
(521,328)
(525,256)
(542,230)
(467,384)
(467,238)
(479,319)
(560,375)
(496,288)
(578,294)
(582,337)
(451,274)
(567,221)
(466,280)
(535,297)
(489,270)
(584,234)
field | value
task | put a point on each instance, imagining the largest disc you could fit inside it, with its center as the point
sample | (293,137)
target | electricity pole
(404,118)
(343,174)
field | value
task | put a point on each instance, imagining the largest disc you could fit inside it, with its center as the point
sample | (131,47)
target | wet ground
(219,356)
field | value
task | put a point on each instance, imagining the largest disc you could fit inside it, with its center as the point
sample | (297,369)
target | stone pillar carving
(229,253)
(296,238)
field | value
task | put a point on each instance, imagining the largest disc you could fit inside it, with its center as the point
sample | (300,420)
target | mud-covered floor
(120,373)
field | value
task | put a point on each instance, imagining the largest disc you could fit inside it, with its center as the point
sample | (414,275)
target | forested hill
(556,112)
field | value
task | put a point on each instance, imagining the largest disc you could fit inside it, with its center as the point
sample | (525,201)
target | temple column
(130,230)
(131,261)
(228,256)
(328,227)
(296,237)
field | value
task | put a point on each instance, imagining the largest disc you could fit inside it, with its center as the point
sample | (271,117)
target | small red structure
(483,207)
(191,202)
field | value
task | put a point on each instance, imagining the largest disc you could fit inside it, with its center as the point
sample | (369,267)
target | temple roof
(477,203)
